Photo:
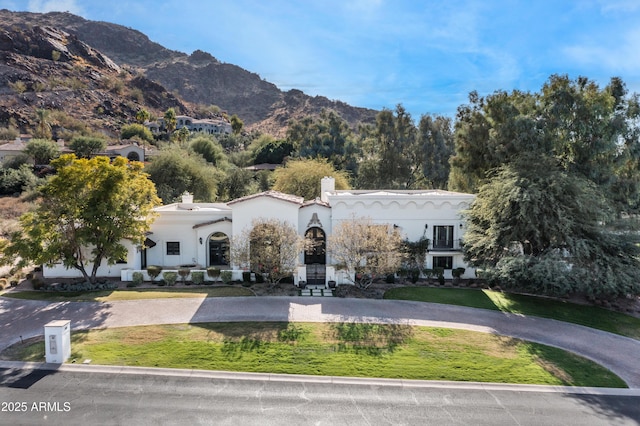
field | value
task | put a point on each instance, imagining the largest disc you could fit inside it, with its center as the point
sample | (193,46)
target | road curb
(339,380)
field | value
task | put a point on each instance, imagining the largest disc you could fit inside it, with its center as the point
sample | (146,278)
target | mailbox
(57,341)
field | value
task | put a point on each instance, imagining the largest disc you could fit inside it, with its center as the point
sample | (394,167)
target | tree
(176,170)
(536,227)
(273,152)
(236,124)
(43,128)
(142,116)
(431,153)
(327,135)
(209,149)
(270,247)
(86,146)
(42,151)
(365,249)
(302,177)
(386,163)
(131,131)
(170,120)
(587,130)
(88,208)
(237,183)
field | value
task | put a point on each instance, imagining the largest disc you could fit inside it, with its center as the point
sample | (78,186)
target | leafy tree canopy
(86,146)
(131,131)
(175,170)
(42,151)
(302,177)
(88,208)
(209,149)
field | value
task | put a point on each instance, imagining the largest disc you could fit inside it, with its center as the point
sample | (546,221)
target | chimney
(187,198)
(327,184)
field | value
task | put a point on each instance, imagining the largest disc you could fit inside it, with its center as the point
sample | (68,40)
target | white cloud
(621,57)
(43,6)
(615,6)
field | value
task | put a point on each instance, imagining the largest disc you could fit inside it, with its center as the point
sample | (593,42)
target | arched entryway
(218,249)
(315,256)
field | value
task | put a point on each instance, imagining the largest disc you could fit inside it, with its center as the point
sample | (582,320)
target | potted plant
(153,271)
(184,273)
(213,273)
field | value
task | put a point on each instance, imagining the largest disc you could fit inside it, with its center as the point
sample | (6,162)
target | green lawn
(590,316)
(131,294)
(339,349)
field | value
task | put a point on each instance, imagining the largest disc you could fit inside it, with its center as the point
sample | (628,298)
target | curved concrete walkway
(26,318)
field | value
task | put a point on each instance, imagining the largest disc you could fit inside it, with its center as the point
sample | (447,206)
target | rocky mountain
(92,54)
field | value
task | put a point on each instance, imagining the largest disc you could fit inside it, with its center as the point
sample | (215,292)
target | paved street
(27,318)
(107,395)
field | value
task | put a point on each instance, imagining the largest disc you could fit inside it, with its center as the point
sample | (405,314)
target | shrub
(154,271)
(246,276)
(414,275)
(390,279)
(197,277)
(184,273)
(137,278)
(226,276)
(259,278)
(170,277)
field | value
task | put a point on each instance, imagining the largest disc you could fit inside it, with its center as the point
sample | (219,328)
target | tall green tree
(42,151)
(209,149)
(86,146)
(170,120)
(43,127)
(236,124)
(142,116)
(88,208)
(537,228)
(385,163)
(302,177)
(327,135)
(175,170)
(134,130)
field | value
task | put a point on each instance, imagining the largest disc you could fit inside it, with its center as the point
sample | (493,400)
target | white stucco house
(199,234)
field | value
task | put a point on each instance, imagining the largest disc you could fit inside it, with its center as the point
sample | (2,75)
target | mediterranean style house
(198,235)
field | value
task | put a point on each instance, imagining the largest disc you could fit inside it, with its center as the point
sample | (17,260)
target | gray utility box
(57,341)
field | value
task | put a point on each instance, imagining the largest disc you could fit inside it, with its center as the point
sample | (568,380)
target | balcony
(445,245)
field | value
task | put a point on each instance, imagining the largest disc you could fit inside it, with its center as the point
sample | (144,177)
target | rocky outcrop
(198,78)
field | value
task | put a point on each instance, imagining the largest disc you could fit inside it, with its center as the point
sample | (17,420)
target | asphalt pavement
(22,319)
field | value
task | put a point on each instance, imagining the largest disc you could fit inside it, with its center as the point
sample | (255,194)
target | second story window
(443,237)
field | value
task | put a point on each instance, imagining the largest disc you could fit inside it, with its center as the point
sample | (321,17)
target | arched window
(133,156)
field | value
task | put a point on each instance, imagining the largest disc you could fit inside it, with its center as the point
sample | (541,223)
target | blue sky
(427,55)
